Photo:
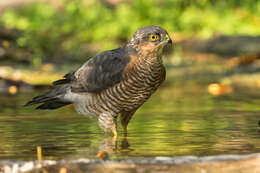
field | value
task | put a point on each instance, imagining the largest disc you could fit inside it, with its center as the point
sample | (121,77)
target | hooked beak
(168,46)
(169,41)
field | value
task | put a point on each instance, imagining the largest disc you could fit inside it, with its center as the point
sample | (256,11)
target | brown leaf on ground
(12,89)
(219,89)
(102,155)
(243,60)
(63,170)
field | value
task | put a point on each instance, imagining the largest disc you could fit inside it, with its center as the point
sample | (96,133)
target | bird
(114,82)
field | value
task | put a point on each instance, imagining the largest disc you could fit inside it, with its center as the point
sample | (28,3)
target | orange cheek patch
(147,47)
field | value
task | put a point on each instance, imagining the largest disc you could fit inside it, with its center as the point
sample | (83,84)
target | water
(178,120)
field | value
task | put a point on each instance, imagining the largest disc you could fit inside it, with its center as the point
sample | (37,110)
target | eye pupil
(153,37)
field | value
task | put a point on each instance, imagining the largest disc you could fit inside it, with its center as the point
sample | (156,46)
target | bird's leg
(108,123)
(113,129)
(125,118)
(125,129)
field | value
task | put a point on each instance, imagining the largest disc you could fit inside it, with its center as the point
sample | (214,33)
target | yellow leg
(108,123)
(114,131)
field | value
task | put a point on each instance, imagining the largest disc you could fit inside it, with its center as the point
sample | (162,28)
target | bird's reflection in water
(113,146)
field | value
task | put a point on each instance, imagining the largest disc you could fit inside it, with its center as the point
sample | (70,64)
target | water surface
(178,120)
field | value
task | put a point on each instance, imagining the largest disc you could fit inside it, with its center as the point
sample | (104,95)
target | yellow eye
(154,37)
(166,36)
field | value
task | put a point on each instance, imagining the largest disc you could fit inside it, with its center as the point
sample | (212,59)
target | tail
(51,99)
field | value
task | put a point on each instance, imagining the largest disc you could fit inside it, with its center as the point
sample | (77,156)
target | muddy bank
(209,164)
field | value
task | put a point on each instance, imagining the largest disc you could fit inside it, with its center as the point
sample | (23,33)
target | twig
(39,157)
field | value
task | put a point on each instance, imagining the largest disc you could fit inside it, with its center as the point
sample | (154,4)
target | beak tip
(170,41)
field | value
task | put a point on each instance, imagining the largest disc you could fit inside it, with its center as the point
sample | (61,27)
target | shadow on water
(178,120)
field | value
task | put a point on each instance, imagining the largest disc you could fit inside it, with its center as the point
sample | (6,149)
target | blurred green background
(209,103)
(70,31)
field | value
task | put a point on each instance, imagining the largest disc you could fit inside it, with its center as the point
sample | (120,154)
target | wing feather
(99,73)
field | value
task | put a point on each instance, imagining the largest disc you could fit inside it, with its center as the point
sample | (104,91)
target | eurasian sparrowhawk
(113,82)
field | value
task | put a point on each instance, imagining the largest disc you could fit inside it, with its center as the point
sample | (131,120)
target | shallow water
(178,120)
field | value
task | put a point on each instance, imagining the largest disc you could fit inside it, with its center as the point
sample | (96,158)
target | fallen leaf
(219,89)
(63,170)
(12,90)
(102,155)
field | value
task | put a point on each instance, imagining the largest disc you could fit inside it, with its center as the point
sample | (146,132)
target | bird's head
(150,40)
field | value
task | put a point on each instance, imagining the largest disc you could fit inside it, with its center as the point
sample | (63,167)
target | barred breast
(137,86)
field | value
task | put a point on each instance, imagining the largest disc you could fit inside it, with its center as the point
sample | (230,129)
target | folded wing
(99,73)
